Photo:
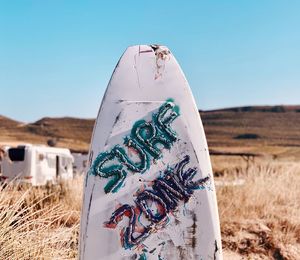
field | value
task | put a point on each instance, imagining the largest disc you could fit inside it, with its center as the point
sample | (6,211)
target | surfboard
(149,192)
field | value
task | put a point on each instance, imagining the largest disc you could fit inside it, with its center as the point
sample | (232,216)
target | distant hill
(271,130)
(74,133)
(63,128)
(271,109)
(6,122)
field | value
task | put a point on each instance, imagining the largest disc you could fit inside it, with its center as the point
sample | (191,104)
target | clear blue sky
(57,56)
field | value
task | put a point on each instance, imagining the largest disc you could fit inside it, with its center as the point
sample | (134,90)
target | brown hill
(69,132)
(63,128)
(261,130)
(6,122)
(271,130)
(275,109)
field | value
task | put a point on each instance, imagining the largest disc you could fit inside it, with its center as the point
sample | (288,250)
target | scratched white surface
(142,81)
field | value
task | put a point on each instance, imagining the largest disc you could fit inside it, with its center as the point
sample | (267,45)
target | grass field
(40,223)
(259,218)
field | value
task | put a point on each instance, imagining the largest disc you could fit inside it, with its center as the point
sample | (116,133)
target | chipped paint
(216,250)
(162,55)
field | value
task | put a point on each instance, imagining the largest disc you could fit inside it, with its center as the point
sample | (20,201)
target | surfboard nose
(147,48)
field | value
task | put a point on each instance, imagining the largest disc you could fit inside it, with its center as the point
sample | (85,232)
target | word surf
(147,139)
(175,185)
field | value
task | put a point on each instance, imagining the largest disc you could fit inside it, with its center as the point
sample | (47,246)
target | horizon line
(243,108)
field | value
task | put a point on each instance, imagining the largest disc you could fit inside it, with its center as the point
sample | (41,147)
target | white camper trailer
(37,164)
(80,164)
(3,152)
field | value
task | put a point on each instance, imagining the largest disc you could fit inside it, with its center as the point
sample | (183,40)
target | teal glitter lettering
(145,139)
(115,171)
(148,137)
(163,120)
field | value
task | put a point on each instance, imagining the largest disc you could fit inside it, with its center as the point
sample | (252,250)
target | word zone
(167,191)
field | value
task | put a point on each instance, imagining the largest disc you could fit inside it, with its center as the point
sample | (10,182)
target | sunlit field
(260,215)
(40,223)
(258,205)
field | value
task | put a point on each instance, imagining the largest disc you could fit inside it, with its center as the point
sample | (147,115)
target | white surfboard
(149,192)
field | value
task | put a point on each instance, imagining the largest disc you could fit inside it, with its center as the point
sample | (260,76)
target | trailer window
(51,161)
(16,154)
(65,162)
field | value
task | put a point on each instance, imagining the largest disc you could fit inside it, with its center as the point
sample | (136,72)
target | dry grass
(40,223)
(259,219)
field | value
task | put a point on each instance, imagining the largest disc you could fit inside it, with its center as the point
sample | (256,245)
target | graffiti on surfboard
(155,202)
(144,138)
